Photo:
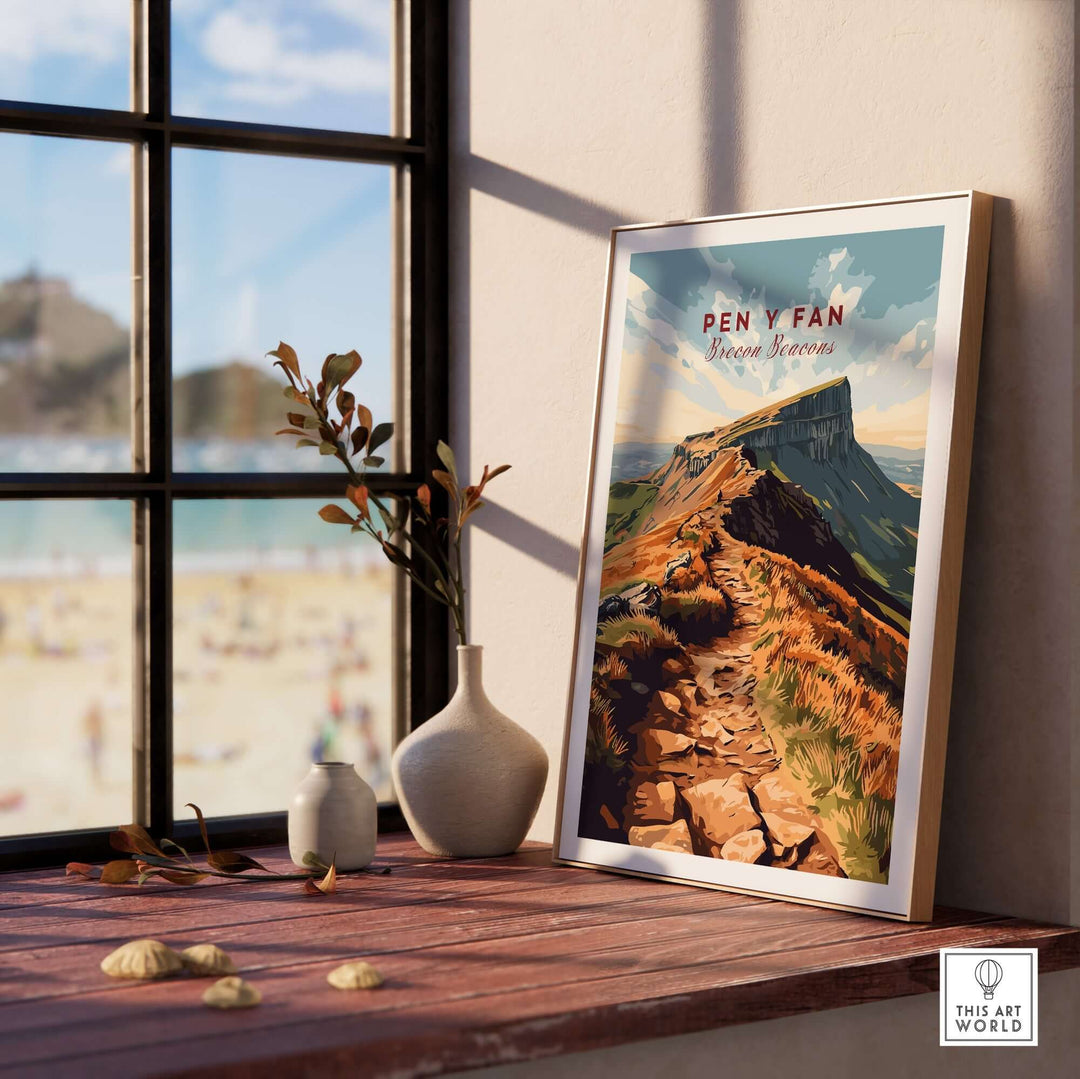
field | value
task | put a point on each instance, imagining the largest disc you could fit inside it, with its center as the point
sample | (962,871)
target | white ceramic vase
(333,813)
(469,780)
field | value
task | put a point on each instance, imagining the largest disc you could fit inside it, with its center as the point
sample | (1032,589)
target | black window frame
(422,154)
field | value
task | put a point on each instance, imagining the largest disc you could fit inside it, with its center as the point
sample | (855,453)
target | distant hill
(631,460)
(904,467)
(64,367)
(896,453)
(236,400)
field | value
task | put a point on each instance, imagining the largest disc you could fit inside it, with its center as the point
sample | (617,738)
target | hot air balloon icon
(988,975)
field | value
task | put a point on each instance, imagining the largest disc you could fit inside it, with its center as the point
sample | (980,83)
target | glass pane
(289,62)
(66,604)
(66,52)
(65,305)
(282,653)
(268,249)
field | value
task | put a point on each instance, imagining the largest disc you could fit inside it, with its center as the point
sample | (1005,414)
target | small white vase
(333,813)
(469,780)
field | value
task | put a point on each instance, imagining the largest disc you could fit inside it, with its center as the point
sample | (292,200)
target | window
(182,186)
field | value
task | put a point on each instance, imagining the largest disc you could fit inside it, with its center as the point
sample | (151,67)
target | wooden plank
(448,1041)
(329,930)
(242,902)
(295,988)
(402,1037)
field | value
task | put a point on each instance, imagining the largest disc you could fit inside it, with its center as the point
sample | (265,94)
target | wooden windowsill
(485,961)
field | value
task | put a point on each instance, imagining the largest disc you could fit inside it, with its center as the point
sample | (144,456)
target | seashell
(206,960)
(358,975)
(231,992)
(142,959)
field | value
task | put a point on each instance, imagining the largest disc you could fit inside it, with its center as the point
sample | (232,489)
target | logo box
(989,996)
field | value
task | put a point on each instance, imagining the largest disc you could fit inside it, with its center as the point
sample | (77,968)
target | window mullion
(156,809)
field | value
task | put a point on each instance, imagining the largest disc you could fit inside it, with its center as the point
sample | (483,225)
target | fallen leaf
(119,872)
(202,824)
(232,861)
(181,876)
(325,886)
(134,839)
(79,869)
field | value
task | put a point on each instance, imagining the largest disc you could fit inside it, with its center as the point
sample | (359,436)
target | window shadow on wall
(471,172)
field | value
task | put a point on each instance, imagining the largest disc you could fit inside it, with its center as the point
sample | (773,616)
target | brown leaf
(497,471)
(182,876)
(396,555)
(325,886)
(359,437)
(446,455)
(445,480)
(79,869)
(469,510)
(358,496)
(297,419)
(337,370)
(120,871)
(134,839)
(423,496)
(335,515)
(291,431)
(287,359)
(233,861)
(380,434)
(363,417)
(202,824)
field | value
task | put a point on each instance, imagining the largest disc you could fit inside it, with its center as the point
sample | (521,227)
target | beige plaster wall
(570,116)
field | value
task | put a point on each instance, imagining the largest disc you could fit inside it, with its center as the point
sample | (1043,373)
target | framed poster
(770,569)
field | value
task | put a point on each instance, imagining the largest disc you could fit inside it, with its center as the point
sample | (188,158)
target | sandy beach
(273,668)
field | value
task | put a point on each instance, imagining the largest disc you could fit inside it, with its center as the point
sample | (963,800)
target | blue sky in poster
(887,282)
(264,247)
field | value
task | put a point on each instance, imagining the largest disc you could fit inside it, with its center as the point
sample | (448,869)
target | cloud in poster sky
(887,282)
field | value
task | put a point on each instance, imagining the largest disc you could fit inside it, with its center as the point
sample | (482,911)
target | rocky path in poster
(706,776)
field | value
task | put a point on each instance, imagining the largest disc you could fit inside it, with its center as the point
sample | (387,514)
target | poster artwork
(747,688)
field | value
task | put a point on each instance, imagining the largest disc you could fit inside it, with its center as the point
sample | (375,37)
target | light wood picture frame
(770,566)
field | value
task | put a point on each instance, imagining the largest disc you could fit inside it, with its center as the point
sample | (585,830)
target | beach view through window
(66,607)
(282,653)
(283,639)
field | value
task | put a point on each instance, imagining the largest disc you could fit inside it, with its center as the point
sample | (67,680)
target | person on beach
(94,729)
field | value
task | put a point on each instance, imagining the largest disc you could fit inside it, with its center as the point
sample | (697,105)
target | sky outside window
(265,248)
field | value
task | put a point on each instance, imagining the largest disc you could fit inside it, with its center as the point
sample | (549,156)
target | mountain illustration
(66,368)
(751,646)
